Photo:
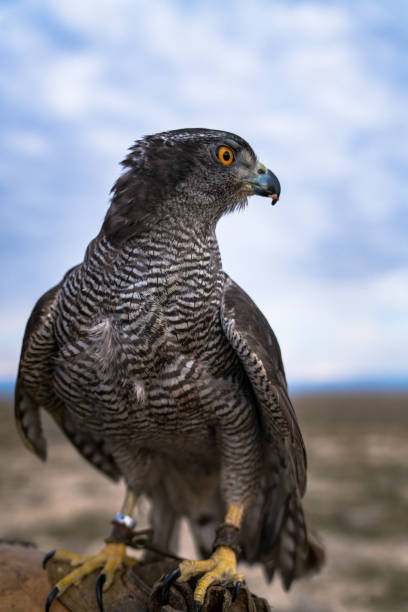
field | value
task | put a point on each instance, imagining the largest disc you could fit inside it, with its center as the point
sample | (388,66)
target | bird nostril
(260,171)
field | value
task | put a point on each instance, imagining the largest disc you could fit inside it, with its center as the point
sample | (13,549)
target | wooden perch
(24,585)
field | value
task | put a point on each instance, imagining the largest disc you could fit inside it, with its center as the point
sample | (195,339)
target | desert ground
(357,499)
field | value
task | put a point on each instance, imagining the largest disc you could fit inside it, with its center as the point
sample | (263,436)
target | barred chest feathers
(146,311)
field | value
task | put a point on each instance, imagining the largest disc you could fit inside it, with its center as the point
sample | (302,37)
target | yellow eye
(225,155)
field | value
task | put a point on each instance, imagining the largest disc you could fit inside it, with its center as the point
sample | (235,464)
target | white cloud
(342,330)
(71,84)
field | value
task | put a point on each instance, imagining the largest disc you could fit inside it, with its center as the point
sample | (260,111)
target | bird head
(194,175)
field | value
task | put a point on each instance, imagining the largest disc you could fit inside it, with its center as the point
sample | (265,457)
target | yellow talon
(192,568)
(221,567)
(110,558)
(66,555)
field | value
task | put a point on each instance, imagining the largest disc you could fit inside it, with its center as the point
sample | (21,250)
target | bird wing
(34,389)
(275,528)
(256,345)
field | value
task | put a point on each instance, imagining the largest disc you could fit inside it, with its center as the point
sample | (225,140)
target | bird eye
(225,155)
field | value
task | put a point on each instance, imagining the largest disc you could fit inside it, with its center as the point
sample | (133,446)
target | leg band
(227,535)
(122,533)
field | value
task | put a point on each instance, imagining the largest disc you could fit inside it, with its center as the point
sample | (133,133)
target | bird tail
(282,542)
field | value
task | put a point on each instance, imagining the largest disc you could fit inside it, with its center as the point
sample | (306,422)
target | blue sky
(319,89)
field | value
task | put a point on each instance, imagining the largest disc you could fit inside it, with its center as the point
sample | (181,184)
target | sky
(320,91)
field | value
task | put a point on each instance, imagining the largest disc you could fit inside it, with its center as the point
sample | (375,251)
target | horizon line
(364,383)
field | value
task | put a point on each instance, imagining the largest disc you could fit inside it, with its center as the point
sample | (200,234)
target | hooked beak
(264,183)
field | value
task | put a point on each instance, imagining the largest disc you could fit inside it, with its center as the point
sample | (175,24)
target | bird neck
(182,250)
(174,248)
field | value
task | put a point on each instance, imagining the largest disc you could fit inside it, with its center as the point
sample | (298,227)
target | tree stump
(24,585)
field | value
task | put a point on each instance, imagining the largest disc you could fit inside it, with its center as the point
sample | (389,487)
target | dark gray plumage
(160,369)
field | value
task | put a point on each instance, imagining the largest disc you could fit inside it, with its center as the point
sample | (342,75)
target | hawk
(162,371)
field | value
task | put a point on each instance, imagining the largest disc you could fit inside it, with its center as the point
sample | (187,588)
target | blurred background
(320,90)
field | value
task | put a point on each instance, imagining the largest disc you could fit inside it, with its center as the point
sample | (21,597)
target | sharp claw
(51,598)
(171,577)
(237,590)
(100,581)
(197,606)
(47,558)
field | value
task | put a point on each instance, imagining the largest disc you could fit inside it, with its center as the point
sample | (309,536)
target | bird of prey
(161,370)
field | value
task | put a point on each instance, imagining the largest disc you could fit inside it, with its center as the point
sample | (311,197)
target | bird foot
(110,558)
(221,567)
